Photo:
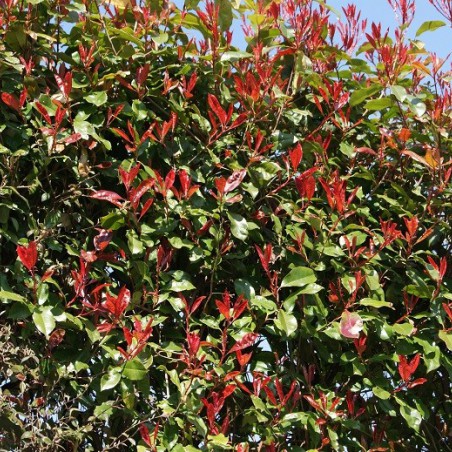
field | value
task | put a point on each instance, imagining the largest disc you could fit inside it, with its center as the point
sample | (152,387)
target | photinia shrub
(212,248)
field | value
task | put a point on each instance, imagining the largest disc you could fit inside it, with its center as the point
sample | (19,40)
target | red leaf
(407,369)
(360,344)
(105,327)
(417,382)
(448,310)
(196,304)
(127,336)
(411,225)
(291,391)
(169,179)
(11,101)
(270,395)
(243,358)
(231,375)
(228,390)
(263,258)
(312,402)
(247,340)
(220,183)
(234,180)
(65,88)
(136,194)
(123,135)
(216,107)
(23,97)
(296,154)
(142,74)
(88,256)
(102,240)
(48,274)
(56,338)
(127,177)
(28,255)
(146,207)
(110,196)
(43,112)
(365,150)
(442,267)
(194,342)
(279,389)
(205,227)
(144,432)
(416,157)
(117,305)
(239,306)
(73,138)
(305,184)
(241,118)
(223,309)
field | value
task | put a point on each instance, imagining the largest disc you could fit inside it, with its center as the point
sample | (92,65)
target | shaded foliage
(208,248)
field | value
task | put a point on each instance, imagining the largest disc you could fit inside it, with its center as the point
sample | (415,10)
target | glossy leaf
(299,277)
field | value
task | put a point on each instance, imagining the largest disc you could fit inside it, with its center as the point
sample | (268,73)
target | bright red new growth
(116,305)
(28,255)
(235,242)
(407,368)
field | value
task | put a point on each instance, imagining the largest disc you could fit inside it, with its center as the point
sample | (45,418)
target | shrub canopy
(208,248)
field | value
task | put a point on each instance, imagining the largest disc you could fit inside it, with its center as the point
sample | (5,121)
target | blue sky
(439,41)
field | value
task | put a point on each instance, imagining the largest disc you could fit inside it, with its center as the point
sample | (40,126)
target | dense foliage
(207,248)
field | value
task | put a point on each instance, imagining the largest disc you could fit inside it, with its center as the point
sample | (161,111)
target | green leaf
(244,287)
(110,379)
(160,38)
(134,370)
(430,25)
(84,128)
(199,424)
(44,320)
(134,243)
(411,415)
(379,104)
(181,286)
(259,404)
(42,293)
(219,440)
(381,393)
(225,14)
(97,99)
(299,277)
(104,411)
(375,303)
(311,289)
(235,55)
(239,226)
(126,34)
(447,338)
(113,221)
(417,107)
(286,322)
(299,418)
(5,295)
(361,95)
(139,109)
(399,92)
(419,290)
(19,310)
(404,329)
